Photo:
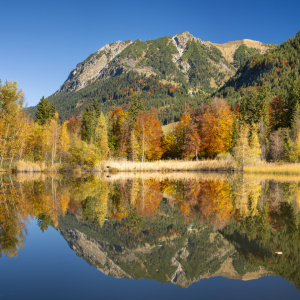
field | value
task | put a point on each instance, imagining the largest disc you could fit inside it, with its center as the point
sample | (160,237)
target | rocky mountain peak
(90,69)
(114,48)
(181,40)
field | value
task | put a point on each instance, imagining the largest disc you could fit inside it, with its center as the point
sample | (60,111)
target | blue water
(46,268)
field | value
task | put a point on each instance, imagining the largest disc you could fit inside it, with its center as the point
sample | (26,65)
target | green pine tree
(264,102)
(293,103)
(86,125)
(44,111)
(136,106)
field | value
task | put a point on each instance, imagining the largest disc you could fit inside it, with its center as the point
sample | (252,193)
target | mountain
(278,68)
(181,59)
(238,52)
(169,72)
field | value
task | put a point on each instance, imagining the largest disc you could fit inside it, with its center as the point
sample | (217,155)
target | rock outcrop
(92,68)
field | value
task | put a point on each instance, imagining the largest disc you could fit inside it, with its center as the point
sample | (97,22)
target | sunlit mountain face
(177,229)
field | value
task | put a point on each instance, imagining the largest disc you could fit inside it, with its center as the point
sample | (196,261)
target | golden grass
(29,166)
(163,166)
(273,168)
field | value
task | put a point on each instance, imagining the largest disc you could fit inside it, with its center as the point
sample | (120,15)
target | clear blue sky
(42,41)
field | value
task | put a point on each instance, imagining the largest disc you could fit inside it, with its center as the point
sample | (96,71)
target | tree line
(259,127)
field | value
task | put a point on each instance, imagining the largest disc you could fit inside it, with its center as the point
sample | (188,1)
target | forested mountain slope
(278,68)
(169,72)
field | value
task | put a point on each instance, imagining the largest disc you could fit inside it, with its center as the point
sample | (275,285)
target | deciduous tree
(101,137)
(149,134)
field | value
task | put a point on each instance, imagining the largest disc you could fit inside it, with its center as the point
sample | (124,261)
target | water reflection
(168,228)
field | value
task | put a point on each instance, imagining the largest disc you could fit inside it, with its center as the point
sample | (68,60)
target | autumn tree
(216,125)
(149,134)
(181,131)
(101,138)
(36,147)
(247,149)
(53,133)
(192,144)
(242,148)
(74,125)
(134,151)
(255,149)
(169,144)
(83,154)
(64,142)
(14,124)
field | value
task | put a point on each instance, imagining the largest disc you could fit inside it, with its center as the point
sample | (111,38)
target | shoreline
(161,166)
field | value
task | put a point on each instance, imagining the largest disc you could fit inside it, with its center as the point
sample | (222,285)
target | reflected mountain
(165,228)
(186,255)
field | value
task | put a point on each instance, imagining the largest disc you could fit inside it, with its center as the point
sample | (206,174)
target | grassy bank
(163,166)
(32,167)
(114,166)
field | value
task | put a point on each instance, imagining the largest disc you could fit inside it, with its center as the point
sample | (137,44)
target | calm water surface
(189,236)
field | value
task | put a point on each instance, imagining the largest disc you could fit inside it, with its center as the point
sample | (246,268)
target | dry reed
(163,166)
(28,166)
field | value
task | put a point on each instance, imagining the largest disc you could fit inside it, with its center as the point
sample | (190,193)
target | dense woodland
(118,91)
(278,68)
(260,127)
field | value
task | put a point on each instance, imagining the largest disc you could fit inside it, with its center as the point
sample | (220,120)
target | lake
(164,236)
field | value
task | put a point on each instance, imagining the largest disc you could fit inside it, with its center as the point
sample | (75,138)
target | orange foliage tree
(149,135)
(215,126)
(74,125)
(181,132)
